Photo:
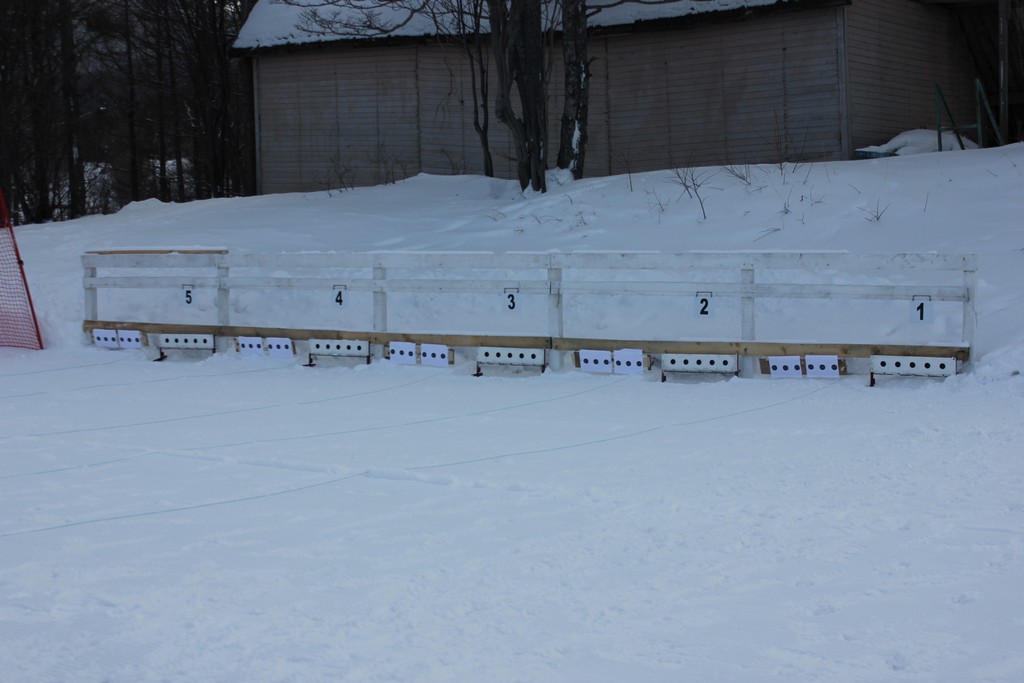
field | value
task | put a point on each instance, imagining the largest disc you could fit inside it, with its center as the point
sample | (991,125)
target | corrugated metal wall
(334,119)
(750,91)
(758,90)
(897,52)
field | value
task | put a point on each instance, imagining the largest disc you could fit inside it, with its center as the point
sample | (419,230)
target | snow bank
(919,141)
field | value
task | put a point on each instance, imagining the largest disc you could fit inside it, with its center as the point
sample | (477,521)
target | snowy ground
(233,519)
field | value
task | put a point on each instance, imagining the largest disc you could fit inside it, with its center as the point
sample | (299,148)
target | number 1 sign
(922,310)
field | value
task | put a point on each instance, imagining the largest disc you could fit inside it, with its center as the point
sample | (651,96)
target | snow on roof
(273,23)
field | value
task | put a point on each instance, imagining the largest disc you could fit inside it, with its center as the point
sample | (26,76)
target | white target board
(186,341)
(504,355)
(356,348)
(105,338)
(435,355)
(914,366)
(628,362)
(784,366)
(280,347)
(250,346)
(402,353)
(822,366)
(129,339)
(699,362)
(596,361)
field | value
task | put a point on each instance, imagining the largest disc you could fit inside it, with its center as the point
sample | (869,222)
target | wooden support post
(970,306)
(223,293)
(380,307)
(91,294)
(556,321)
(747,363)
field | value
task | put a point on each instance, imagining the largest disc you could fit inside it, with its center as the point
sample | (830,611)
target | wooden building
(752,82)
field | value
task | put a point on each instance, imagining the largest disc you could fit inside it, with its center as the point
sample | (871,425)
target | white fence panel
(735,297)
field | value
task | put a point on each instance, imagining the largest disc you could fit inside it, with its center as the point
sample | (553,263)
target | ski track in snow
(732,530)
(229,519)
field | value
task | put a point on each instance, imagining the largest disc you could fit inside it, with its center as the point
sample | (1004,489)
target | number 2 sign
(702,305)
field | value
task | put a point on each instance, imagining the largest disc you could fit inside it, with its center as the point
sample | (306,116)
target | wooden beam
(303,334)
(115,252)
(767,348)
(754,349)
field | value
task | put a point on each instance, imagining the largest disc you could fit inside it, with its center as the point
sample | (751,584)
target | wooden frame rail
(745,276)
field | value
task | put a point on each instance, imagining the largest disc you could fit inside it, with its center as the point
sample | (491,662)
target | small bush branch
(875,215)
(692,182)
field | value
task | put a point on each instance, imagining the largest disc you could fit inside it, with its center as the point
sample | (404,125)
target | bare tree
(576,105)
(469,15)
(72,113)
(143,92)
(520,33)
(516,36)
(515,28)
(459,22)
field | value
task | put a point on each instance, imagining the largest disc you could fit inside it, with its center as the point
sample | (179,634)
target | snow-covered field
(235,519)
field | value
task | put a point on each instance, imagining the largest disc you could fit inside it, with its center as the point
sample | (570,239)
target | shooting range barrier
(697,312)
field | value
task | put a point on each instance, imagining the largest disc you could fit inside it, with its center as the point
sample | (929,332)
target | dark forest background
(104,102)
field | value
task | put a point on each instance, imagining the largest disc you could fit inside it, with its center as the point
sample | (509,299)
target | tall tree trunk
(160,54)
(69,84)
(519,60)
(175,96)
(530,79)
(35,85)
(573,137)
(479,85)
(133,137)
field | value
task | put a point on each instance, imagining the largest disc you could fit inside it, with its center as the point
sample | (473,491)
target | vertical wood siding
(749,91)
(758,90)
(338,119)
(897,51)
